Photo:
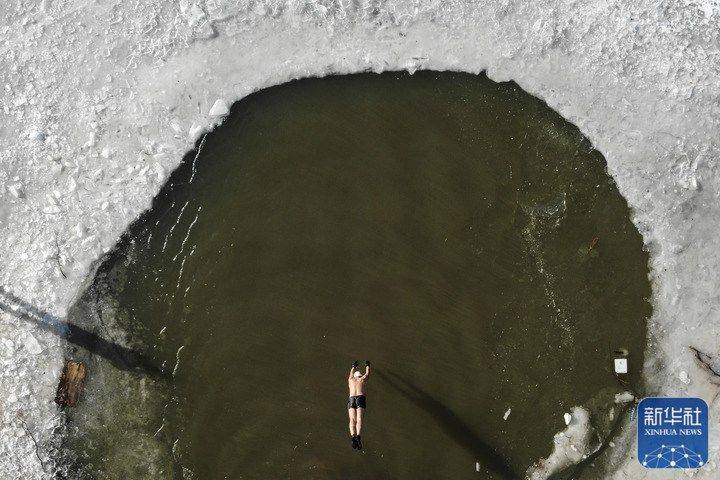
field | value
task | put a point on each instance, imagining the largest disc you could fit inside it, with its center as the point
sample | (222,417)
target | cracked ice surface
(100,101)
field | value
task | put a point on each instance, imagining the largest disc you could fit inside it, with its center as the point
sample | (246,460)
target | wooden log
(71,383)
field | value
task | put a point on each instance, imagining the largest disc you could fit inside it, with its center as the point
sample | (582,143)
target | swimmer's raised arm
(352,369)
(367,369)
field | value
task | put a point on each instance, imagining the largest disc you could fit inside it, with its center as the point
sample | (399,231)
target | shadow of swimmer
(451,424)
(121,357)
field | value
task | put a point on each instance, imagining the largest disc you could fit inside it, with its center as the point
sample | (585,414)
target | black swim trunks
(357,401)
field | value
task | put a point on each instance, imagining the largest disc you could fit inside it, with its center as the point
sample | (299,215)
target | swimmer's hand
(367,363)
(355,364)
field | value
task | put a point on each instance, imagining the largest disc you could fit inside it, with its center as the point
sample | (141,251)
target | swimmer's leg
(353,418)
(358,426)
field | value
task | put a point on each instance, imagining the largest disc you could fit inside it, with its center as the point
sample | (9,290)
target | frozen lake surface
(101,102)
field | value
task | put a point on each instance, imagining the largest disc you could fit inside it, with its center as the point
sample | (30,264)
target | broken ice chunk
(16,190)
(507,414)
(219,108)
(568,418)
(160,171)
(195,131)
(32,345)
(51,210)
(91,140)
(87,240)
(193,13)
(624,397)
(37,135)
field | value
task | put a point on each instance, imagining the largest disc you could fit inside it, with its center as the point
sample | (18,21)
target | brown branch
(32,437)
(57,256)
(705,361)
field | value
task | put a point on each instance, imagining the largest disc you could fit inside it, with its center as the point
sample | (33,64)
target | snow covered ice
(101,100)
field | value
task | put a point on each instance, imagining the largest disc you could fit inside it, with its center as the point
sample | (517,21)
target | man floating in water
(356,404)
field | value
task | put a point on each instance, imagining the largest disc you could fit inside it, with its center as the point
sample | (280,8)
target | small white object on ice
(37,135)
(105,153)
(568,418)
(684,377)
(624,397)
(507,414)
(219,108)
(621,365)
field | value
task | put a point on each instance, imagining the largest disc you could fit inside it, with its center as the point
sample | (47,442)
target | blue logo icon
(672,432)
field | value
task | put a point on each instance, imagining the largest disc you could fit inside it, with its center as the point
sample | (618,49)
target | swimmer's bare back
(356,383)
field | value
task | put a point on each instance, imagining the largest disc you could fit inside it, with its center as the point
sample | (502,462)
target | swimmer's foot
(354,441)
(359,442)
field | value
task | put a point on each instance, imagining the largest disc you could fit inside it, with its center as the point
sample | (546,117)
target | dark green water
(455,231)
